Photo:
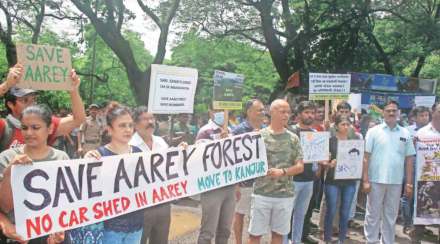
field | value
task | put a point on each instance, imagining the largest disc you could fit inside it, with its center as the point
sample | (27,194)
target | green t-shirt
(282,150)
(8,155)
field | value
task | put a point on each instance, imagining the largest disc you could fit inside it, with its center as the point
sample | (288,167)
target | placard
(324,86)
(228,90)
(45,67)
(61,195)
(427,187)
(349,159)
(172,89)
(426,101)
(315,146)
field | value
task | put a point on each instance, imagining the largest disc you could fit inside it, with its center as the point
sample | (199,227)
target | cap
(21,92)
(93,105)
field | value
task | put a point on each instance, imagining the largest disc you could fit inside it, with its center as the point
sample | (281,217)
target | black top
(330,178)
(308,174)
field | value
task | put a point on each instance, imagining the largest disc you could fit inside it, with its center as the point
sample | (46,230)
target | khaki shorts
(270,214)
(243,205)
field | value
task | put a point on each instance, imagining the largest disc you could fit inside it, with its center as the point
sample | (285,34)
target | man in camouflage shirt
(272,201)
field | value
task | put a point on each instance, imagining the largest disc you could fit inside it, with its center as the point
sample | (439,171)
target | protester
(343,108)
(337,189)
(254,113)
(272,199)
(217,205)
(304,182)
(388,148)
(36,125)
(318,122)
(157,218)
(182,130)
(421,119)
(89,137)
(17,99)
(126,228)
(431,130)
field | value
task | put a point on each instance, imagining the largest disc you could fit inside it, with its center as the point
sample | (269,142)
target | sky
(142,24)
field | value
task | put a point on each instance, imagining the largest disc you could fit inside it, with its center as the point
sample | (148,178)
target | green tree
(208,54)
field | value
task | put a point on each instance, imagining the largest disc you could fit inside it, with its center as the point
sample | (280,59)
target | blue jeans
(122,237)
(301,201)
(332,193)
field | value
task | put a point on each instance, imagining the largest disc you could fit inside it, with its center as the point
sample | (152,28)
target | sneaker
(310,240)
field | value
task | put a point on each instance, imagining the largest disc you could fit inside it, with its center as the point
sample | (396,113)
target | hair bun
(112,106)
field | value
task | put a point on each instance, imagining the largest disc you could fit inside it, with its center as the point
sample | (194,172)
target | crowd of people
(280,204)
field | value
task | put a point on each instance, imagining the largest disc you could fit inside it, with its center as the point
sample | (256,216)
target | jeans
(407,205)
(122,237)
(301,201)
(332,194)
(354,202)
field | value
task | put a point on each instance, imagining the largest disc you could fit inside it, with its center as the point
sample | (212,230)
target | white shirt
(158,143)
(428,131)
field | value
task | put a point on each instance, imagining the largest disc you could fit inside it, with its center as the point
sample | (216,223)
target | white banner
(349,159)
(324,86)
(427,183)
(426,101)
(61,195)
(315,146)
(172,89)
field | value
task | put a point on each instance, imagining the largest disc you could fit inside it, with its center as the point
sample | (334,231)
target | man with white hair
(273,194)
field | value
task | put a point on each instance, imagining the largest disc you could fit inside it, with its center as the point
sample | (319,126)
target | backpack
(6,132)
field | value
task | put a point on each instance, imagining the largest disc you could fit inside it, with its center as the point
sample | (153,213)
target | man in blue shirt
(388,148)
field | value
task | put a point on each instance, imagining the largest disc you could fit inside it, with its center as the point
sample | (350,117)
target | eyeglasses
(27,99)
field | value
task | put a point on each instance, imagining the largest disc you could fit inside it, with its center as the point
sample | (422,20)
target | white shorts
(243,205)
(270,214)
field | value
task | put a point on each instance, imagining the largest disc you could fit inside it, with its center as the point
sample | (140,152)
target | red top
(17,138)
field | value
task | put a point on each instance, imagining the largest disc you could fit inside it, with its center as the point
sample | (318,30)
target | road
(185,224)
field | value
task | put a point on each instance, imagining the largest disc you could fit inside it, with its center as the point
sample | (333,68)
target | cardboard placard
(172,89)
(45,67)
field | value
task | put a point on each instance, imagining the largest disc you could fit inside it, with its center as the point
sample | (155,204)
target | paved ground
(186,223)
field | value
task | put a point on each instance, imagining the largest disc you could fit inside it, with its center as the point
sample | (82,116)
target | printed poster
(228,90)
(427,187)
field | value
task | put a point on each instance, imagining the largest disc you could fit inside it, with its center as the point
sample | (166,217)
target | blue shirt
(388,149)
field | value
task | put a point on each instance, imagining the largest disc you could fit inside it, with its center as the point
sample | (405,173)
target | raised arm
(78,116)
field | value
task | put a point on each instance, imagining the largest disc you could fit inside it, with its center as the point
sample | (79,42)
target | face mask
(219,118)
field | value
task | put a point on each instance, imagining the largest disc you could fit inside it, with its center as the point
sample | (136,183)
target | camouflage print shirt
(283,150)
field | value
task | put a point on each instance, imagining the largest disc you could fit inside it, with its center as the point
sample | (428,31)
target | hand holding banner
(61,195)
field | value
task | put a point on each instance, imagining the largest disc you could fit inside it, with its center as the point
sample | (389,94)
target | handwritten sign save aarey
(45,67)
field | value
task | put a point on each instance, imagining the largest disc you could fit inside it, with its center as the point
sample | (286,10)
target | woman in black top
(337,188)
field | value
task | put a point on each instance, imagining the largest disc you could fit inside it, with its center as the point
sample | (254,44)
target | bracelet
(284,171)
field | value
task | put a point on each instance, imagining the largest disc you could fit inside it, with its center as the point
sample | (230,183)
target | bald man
(272,199)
